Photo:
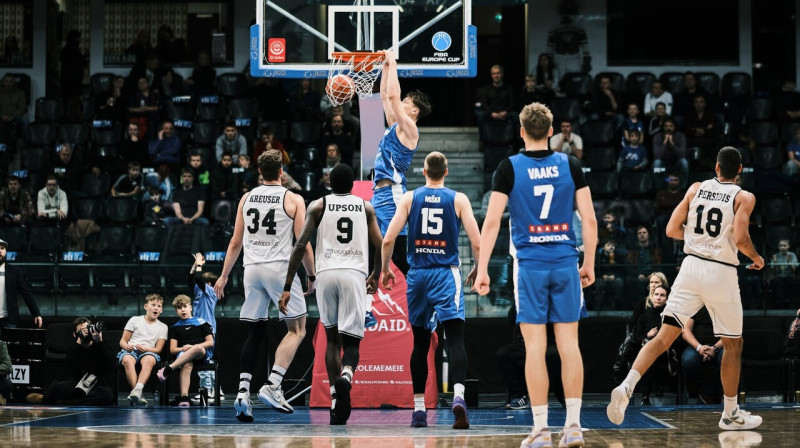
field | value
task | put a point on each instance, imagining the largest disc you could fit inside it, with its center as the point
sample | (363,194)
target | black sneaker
(342,408)
(184,402)
(335,420)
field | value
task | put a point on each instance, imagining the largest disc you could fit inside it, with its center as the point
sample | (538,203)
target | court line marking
(658,420)
(44,418)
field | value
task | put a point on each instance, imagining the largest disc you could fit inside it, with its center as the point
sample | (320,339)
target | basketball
(340,88)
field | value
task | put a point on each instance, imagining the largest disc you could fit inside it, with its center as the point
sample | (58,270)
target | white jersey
(709,227)
(342,234)
(268,230)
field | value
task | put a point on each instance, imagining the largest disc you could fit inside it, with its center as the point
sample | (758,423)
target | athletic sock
(139,386)
(730,405)
(333,397)
(631,380)
(347,373)
(458,390)
(573,411)
(539,417)
(419,403)
(276,376)
(244,382)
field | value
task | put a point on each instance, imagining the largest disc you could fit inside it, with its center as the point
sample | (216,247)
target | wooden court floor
(687,426)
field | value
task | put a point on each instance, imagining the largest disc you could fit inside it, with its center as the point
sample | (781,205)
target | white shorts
(342,298)
(263,282)
(713,285)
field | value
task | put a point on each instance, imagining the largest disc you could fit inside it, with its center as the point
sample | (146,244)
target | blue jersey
(393,158)
(433,228)
(541,206)
(205,300)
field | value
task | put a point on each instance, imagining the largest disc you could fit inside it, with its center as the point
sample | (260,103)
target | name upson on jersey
(265,199)
(345,207)
(544,172)
(713,196)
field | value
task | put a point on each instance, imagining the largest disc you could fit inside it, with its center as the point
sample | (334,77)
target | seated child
(190,339)
(141,342)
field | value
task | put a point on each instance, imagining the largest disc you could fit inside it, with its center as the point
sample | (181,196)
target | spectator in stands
(151,70)
(13,105)
(323,187)
(12,55)
(142,47)
(6,369)
(787,102)
(609,286)
(132,148)
(669,149)
(792,167)
(16,206)
(171,83)
(188,202)
(633,156)
(352,124)
(339,136)
(332,156)
(110,109)
(202,176)
(230,141)
(646,328)
(154,208)
(567,142)
(223,185)
(783,270)
(168,48)
(657,120)
(644,255)
(304,103)
(51,202)
(684,100)
(143,108)
(267,142)
(667,200)
(67,168)
(71,79)
(289,183)
(605,103)
(203,76)
(657,95)
(702,358)
(547,74)
(160,179)
(632,122)
(15,283)
(496,101)
(167,147)
(700,127)
(531,94)
(91,360)
(129,185)
(610,230)
(248,174)
(792,339)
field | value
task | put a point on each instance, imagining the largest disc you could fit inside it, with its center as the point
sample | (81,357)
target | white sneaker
(739,420)
(541,439)
(273,396)
(135,397)
(243,407)
(571,436)
(620,397)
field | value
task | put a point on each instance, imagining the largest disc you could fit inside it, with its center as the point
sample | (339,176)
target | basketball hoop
(363,67)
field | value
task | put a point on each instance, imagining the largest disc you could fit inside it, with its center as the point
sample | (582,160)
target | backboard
(295,38)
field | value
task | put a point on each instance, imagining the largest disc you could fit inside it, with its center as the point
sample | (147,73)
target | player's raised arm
(406,127)
(467,217)
(744,202)
(299,221)
(234,249)
(583,200)
(300,249)
(387,106)
(395,226)
(491,227)
(679,216)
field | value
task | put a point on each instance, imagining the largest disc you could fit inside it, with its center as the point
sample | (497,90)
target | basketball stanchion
(352,72)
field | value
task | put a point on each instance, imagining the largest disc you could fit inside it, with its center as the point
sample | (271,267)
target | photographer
(93,364)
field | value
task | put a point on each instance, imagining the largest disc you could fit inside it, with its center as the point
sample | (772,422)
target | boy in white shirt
(142,342)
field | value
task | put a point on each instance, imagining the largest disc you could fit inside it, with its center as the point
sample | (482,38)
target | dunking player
(395,151)
(541,189)
(342,223)
(713,220)
(434,280)
(267,220)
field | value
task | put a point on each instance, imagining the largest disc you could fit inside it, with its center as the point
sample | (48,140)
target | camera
(96,327)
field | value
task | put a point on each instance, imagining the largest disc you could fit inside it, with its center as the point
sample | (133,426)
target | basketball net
(362,67)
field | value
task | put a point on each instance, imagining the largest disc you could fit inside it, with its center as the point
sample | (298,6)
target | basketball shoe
(243,407)
(460,413)
(541,439)
(571,436)
(739,420)
(273,396)
(135,397)
(342,409)
(370,320)
(419,419)
(620,397)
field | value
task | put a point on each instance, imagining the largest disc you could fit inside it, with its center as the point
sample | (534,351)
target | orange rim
(363,61)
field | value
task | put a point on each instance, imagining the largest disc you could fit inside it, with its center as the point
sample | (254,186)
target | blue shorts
(136,354)
(548,295)
(205,360)
(434,289)
(384,201)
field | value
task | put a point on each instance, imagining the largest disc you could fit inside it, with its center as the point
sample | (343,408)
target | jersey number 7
(547,191)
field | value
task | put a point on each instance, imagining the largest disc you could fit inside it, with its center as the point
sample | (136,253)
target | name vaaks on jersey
(544,172)
(548,228)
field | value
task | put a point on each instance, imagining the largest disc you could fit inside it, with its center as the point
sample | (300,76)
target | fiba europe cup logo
(441,41)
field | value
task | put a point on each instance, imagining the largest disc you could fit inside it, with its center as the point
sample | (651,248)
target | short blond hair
(181,300)
(536,119)
(435,165)
(153,298)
